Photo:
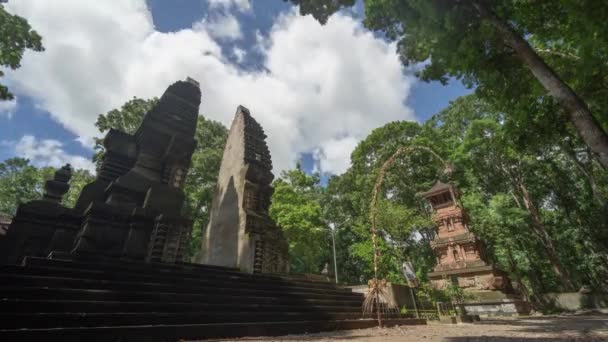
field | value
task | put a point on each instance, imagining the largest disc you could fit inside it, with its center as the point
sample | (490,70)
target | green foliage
(80,178)
(200,183)
(126,119)
(534,195)
(321,9)
(455,293)
(428,296)
(295,208)
(521,56)
(402,219)
(529,196)
(16,36)
(21,182)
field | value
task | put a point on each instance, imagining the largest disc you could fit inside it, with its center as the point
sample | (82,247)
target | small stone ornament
(55,188)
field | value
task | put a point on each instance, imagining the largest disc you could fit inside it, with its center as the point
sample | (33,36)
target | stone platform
(96,300)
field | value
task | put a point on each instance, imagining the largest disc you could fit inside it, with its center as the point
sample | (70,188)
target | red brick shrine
(460,256)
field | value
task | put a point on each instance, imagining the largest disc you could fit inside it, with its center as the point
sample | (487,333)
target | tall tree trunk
(578,112)
(545,239)
(586,170)
(513,266)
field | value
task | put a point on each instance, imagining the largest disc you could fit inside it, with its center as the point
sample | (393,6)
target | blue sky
(316,90)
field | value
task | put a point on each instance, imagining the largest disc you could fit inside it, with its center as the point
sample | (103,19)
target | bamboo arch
(376,286)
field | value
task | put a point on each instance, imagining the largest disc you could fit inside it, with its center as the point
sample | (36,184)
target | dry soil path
(533,329)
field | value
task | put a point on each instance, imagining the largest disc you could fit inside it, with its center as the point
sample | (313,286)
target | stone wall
(401,294)
(504,307)
(574,301)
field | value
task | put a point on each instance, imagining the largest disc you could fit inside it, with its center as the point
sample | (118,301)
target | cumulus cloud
(332,155)
(222,26)
(239,54)
(320,90)
(48,152)
(7,108)
(241,5)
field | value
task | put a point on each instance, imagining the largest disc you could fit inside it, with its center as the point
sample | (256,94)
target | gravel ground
(533,329)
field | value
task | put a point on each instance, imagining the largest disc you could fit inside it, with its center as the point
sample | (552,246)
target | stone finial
(193,81)
(55,188)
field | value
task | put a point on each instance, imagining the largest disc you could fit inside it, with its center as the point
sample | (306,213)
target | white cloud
(7,108)
(48,152)
(239,54)
(322,88)
(241,5)
(332,155)
(221,26)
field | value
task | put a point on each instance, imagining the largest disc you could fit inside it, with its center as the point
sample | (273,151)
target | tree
(204,169)
(533,193)
(126,119)
(489,148)
(508,169)
(80,178)
(295,208)
(403,222)
(482,42)
(16,36)
(21,182)
(321,9)
(205,164)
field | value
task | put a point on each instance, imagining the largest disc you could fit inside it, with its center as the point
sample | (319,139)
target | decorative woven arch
(375,285)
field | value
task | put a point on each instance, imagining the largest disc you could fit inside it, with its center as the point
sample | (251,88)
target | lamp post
(332,229)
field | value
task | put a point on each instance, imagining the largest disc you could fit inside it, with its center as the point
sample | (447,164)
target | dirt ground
(533,329)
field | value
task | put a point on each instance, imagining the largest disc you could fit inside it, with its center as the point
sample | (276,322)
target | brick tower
(460,256)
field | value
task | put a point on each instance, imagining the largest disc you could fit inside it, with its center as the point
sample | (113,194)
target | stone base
(458,319)
(400,294)
(575,301)
(471,278)
(504,307)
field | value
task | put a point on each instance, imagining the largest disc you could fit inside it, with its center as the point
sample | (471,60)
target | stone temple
(133,208)
(241,234)
(113,268)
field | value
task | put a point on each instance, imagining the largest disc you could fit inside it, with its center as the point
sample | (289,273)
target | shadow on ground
(553,324)
(530,329)
(516,339)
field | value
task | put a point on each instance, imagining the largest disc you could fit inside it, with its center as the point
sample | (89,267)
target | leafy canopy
(16,36)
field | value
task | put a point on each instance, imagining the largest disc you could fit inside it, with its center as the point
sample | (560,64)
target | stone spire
(55,188)
(241,234)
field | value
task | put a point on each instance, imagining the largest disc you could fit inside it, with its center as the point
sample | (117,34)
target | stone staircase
(96,300)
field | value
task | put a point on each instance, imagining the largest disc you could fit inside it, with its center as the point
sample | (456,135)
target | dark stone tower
(132,210)
(139,214)
(42,226)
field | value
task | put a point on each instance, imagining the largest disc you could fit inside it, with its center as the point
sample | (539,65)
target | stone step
(179,267)
(192,331)
(58,306)
(182,272)
(125,277)
(220,288)
(109,295)
(76,319)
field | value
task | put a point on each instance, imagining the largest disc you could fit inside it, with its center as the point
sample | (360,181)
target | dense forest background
(533,182)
